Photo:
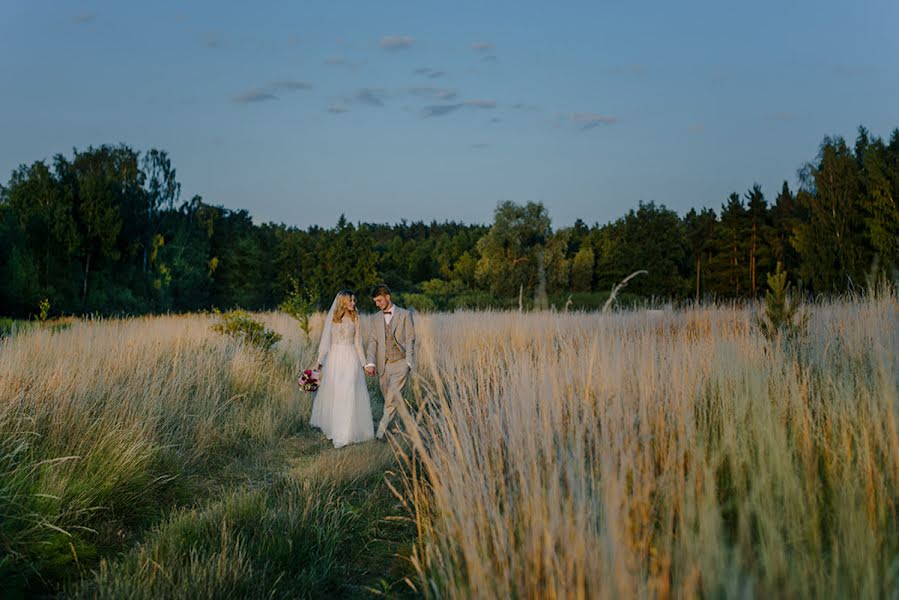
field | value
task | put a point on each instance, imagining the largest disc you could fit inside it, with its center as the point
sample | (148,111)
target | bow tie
(388,312)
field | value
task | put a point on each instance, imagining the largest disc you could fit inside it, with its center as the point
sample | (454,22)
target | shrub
(781,315)
(238,324)
(301,305)
(44,307)
(419,302)
(474,300)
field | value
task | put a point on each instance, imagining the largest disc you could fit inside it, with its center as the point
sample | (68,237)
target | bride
(342,408)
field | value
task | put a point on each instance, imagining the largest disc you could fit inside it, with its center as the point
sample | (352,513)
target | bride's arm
(357,342)
(325,344)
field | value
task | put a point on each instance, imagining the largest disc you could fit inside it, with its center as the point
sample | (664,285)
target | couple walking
(342,408)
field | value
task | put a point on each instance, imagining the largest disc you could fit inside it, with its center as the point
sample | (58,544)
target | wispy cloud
(85,17)
(337,61)
(496,120)
(428,72)
(256,95)
(214,40)
(290,86)
(441,110)
(490,58)
(269,92)
(397,42)
(482,46)
(522,106)
(480,146)
(433,93)
(481,103)
(337,109)
(588,120)
(370,96)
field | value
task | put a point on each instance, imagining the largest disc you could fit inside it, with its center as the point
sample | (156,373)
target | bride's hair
(342,306)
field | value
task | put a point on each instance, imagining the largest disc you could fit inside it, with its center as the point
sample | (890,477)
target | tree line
(107,232)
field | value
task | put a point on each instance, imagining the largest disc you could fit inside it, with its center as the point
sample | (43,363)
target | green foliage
(102,232)
(880,174)
(6,326)
(300,304)
(239,325)
(475,300)
(346,259)
(56,535)
(283,541)
(785,218)
(782,316)
(582,269)
(44,308)
(437,294)
(624,247)
(698,231)
(419,302)
(520,251)
(87,464)
(832,242)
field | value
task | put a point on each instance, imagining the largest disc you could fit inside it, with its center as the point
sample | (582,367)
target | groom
(392,348)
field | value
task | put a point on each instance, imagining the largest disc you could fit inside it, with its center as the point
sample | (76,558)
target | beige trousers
(392,381)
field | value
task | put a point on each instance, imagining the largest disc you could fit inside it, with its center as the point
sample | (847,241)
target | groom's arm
(410,341)
(371,353)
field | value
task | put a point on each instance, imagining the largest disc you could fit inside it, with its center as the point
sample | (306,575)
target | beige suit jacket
(402,328)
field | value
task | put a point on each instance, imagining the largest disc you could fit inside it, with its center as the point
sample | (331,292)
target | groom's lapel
(394,321)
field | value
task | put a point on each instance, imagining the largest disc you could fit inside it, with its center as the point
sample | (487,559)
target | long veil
(325,343)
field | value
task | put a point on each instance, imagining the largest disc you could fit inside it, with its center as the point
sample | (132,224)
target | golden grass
(115,431)
(647,455)
(548,455)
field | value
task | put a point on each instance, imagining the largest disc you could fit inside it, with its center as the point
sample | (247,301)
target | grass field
(545,455)
(153,458)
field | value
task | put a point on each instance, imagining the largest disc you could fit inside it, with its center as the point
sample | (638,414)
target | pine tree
(699,230)
(731,270)
(880,176)
(785,216)
(757,214)
(831,243)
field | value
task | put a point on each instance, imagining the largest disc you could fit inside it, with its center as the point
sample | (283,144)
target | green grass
(153,458)
(288,534)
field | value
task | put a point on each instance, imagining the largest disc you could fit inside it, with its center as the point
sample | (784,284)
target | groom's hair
(380,290)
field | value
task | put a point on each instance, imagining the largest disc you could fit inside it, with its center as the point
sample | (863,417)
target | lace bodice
(345,333)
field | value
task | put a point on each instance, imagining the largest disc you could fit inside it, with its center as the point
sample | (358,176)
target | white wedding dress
(342,407)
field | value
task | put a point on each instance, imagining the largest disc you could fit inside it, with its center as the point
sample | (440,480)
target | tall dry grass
(105,424)
(645,455)
(556,455)
(154,458)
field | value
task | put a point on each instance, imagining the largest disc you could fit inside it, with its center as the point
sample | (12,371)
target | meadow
(671,454)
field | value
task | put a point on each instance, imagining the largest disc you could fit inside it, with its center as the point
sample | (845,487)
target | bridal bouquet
(308,380)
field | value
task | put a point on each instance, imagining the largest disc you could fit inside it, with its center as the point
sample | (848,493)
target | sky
(300,111)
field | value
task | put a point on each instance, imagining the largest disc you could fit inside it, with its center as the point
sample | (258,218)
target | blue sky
(299,110)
